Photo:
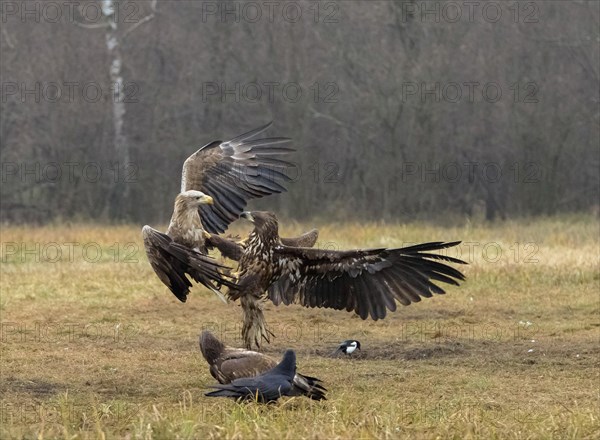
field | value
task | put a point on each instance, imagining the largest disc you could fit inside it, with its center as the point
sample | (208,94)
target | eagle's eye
(197,198)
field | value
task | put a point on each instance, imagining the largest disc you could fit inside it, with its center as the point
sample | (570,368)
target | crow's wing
(264,388)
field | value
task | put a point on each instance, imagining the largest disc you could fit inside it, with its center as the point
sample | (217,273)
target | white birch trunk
(113,45)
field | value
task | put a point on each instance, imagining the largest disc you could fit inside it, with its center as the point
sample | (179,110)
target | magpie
(228,363)
(347,347)
(267,387)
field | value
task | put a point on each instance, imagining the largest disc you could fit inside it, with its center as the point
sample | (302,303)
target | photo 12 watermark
(491,252)
(86,13)
(55,92)
(269,92)
(454,92)
(288,332)
(467,172)
(68,252)
(326,12)
(442,332)
(71,172)
(65,411)
(450,12)
(19,332)
(471,411)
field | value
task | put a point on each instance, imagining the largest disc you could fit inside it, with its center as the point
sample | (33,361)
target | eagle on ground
(217,181)
(368,282)
(264,388)
(227,364)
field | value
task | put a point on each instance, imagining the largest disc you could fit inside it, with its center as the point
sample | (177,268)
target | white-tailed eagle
(368,282)
(216,183)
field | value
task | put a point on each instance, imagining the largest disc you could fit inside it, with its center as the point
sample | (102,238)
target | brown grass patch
(94,349)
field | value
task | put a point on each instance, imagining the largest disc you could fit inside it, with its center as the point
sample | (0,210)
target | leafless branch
(8,38)
(146,19)
(93,26)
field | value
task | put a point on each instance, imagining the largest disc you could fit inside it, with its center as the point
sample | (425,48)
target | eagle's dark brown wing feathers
(233,172)
(366,281)
(245,365)
(308,239)
(231,248)
(172,261)
(227,202)
(227,246)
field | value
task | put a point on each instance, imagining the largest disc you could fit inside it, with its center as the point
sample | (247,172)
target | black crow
(267,387)
(228,364)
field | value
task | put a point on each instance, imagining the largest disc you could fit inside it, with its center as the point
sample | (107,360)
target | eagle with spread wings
(217,181)
(366,281)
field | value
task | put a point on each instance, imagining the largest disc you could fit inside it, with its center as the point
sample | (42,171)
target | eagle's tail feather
(255,327)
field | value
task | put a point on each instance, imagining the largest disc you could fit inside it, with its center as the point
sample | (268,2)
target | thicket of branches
(399,116)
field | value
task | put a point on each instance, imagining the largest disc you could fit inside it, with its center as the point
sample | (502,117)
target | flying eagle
(267,387)
(368,282)
(216,183)
(228,364)
(232,172)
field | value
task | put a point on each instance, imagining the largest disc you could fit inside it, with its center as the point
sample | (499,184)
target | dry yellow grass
(94,346)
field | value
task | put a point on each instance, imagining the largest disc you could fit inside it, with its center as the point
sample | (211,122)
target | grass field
(94,346)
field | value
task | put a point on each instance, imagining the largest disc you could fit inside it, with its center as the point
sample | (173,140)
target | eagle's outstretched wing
(234,172)
(172,261)
(308,239)
(366,281)
(233,248)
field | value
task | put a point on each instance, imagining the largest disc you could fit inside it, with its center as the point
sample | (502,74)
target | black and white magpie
(347,347)
(267,387)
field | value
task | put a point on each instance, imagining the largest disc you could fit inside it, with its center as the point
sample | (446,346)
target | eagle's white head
(185,227)
(193,199)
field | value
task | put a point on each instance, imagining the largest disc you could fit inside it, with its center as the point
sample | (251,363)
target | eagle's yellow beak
(208,200)
(247,215)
